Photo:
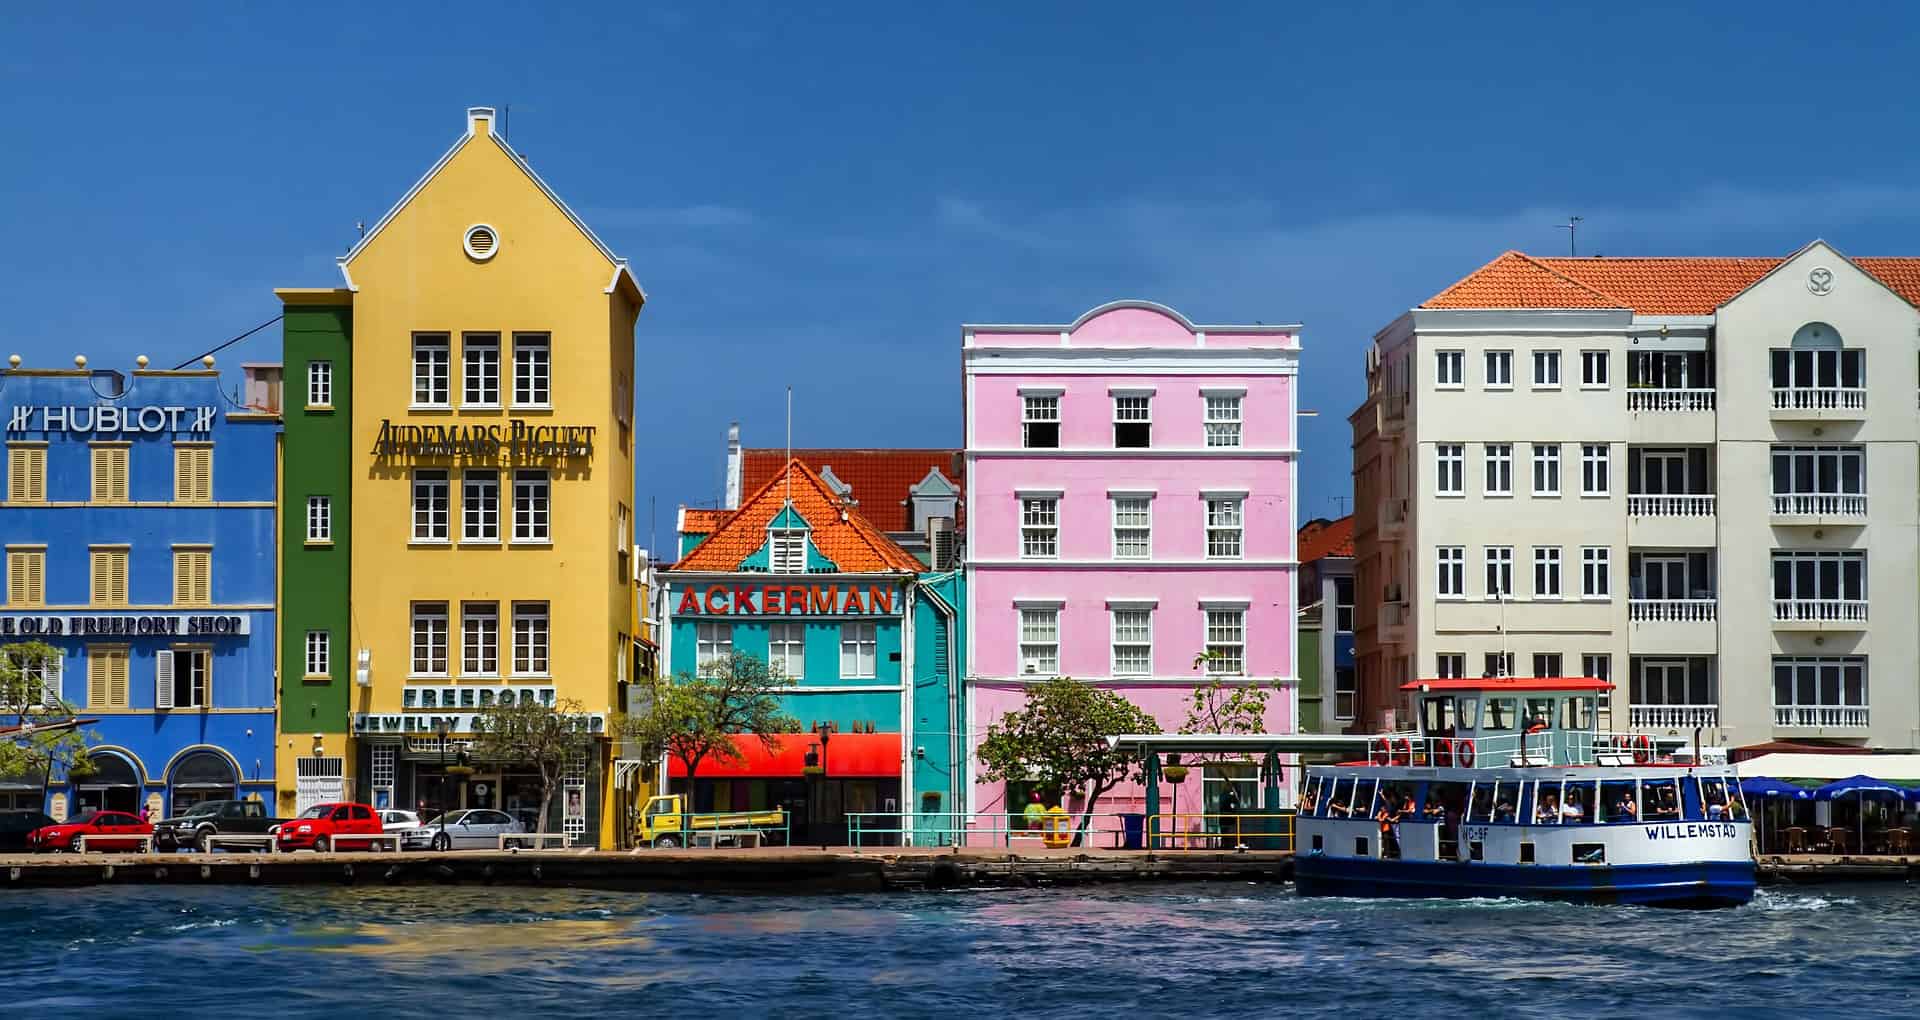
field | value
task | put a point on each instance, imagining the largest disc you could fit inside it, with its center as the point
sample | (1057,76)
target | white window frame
(859,650)
(1131,627)
(1498,560)
(1225,634)
(1546,369)
(480,639)
(173,675)
(480,506)
(712,641)
(1590,378)
(1450,571)
(1132,525)
(319,647)
(1039,526)
(1450,469)
(1039,640)
(1226,525)
(1499,369)
(532,506)
(428,626)
(432,506)
(1546,470)
(533,370)
(1498,476)
(320,385)
(1040,409)
(432,371)
(480,371)
(1546,572)
(1132,407)
(786,647)
(1596,565)
(1450,370)
(532,639)
(1223,419)
(319,519)
(1596,465)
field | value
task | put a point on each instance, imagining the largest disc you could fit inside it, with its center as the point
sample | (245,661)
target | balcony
(1819,614)
(1393,518)
(1680,717)
(1819,402)
(1684,400)
(1393,618)
(1670,506)
(1823,717)
(1822,507)
(1671,610)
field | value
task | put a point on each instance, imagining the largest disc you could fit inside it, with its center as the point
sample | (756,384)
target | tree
(547,737)
(39,735)
(1219,707)
(1060,738)
(695,717)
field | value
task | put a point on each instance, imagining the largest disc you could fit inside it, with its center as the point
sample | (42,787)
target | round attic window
(481,242)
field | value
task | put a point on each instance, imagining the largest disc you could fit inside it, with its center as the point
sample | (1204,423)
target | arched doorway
(199,776)
(113,785)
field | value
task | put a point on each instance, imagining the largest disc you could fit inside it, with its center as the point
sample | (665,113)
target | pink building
(1130,504)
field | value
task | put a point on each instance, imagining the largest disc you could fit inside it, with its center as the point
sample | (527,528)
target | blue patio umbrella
(1859,787)
(1769,788)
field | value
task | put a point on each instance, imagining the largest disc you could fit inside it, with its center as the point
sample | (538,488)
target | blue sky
(821,197)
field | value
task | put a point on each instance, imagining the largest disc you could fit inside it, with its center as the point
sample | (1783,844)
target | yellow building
(490,444)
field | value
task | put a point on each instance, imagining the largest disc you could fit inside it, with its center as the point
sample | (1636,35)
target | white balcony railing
(1670,506)
(1819,398)
(1669,400)
(1820,715)
(1673,716)
(1820,610)
(1671,610)
(1823,504)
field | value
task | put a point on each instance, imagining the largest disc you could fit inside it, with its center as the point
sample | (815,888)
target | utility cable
(229,343)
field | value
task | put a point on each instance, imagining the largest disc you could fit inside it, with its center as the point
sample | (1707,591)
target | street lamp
(815,766)
(442,727)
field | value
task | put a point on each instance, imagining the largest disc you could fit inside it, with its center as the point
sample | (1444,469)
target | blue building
(139,527)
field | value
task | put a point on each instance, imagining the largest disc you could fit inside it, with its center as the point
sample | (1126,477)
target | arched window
(204,770)
(109,769)
(1818,360)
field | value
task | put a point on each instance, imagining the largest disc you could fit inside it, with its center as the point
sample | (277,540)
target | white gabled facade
(1701,480)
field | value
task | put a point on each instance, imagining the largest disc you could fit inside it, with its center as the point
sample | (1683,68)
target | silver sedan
(469,829)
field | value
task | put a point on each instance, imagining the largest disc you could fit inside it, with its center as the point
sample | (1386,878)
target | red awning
(1511,683)
(846,756)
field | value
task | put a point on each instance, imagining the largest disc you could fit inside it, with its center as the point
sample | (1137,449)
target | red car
(325,827)
(97,826)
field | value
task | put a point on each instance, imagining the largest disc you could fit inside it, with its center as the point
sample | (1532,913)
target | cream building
(1678,474)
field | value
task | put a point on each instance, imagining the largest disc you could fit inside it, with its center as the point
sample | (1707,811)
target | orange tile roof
(881,480)
(1648,286)
(1320,539)
(697,521)
(840,532)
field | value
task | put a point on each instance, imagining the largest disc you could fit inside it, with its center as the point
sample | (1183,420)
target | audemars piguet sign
(111,419)
(519,439)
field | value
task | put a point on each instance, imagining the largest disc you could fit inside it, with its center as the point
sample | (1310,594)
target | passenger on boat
(1387,815)
(1572,811)
(1665,805)
(1503,811)
(1623,809)
(1306,803)
(1549,809)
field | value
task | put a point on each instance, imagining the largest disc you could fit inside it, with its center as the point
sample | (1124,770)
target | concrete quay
(772,869)
(1809,869)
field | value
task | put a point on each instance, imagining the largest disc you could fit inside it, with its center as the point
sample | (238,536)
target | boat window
(1618,802)
(1526,852)
(1437,715)
(1539,713)
(1468,709)
(1446,802)
(1589,853)
(1500,712)
(1310,797)
(1660,799)
(1577,800)
(1522,801)
(1546,803)
(1577,714)
(1341,803)
(1477,850)
(1480,809)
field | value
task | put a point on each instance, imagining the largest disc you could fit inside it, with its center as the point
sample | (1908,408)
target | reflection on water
(1152,951)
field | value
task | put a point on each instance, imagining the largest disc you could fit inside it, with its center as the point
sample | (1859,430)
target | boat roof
(1510,683)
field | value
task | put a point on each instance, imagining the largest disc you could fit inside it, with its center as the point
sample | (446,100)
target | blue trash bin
(1133,831)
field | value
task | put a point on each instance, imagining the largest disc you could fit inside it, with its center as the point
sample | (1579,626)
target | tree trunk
(546,802)
(1086,817)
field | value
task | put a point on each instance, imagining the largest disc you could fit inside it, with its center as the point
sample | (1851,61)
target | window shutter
(202,578)
(17,579)
(163,679)
(102,476)
(51,670)
(182,578)
(97,678)
(37,475)
(118,559)
(203,475)
(36,578)
(182,473)
(17,474)
(117,693)
(101,578)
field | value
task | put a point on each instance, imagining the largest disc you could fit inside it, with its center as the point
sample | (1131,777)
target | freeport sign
(126,625)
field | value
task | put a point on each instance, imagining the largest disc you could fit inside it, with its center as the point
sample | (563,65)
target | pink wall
(1179,407)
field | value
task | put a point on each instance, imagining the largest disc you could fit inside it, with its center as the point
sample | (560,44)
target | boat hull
(1693,884)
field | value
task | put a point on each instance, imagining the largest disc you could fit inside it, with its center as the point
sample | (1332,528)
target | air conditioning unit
(942,543)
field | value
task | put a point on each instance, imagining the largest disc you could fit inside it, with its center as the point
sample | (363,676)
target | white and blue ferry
(1509,788)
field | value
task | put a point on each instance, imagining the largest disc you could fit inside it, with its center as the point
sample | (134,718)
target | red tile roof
(1320,539)
(1649,286)
(841,533)
(880,479)
(697,521)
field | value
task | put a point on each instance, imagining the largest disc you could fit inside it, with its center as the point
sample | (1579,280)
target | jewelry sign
(111,419)
(519,439)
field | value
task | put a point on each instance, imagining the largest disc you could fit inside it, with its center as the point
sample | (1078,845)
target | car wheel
(442,842)
(165,846)
(201,841)
(322,845)
(667,843)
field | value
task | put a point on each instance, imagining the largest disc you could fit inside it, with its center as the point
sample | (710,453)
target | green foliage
(549,738)
(42,738)
(1220,707)
(695,716)
(1059,738)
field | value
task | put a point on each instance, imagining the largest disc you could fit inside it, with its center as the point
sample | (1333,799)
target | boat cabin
(1534,721)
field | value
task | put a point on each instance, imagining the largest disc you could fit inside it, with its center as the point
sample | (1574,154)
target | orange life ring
(1403,752)
(1443,752)
(1465,753)
(1642,749)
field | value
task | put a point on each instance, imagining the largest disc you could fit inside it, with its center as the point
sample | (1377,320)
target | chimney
(479,120)
(733,465)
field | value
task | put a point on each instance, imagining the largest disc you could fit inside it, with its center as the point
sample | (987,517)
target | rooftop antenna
(1572,226)
(506,123)
(361,226)
(1339,504)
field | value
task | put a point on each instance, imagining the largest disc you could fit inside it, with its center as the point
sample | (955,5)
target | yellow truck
(665,823)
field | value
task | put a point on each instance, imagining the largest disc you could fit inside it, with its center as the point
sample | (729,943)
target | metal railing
(1673,716)
(1820,504)
(1669,400)
(1672,610)
(145,840)
(1820,715)
(1820,610)
(1646,505)
(1113,830)
(1819,398)
(1545,748)
(254,841)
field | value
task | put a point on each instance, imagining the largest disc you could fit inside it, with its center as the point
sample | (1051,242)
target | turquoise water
(1191,950)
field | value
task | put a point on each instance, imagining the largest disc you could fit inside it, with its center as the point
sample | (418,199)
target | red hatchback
(98,826)
(325,827)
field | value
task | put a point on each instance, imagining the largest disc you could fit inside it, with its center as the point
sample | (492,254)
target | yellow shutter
(193,474)
(16,579)
(97,671)
(109,577)
(27,474)
(102,576)
(192,577)
(117,678)
(109,474)
(203,476)
(16,474)
(182,578)
(36,578)
(203,578)
(26,578)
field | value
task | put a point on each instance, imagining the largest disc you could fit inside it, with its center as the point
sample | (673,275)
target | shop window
(532,370)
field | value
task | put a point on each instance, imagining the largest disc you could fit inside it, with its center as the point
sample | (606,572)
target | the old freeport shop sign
(202,625)
(518,439)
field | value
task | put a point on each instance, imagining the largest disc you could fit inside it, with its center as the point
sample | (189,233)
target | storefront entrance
(202,776)
(113,785)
